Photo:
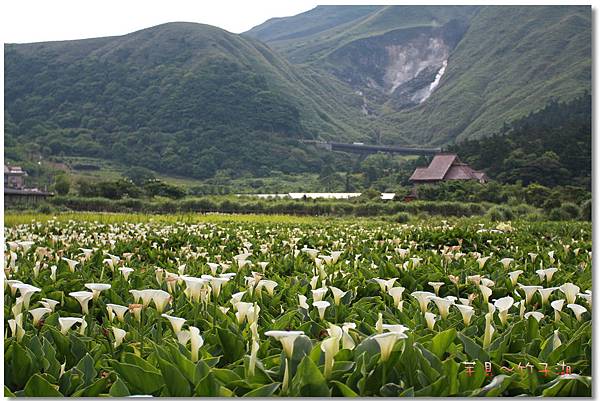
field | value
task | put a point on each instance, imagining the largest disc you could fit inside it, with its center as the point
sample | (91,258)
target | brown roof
(446,167)
(460,172)
(436,170)
(14,170)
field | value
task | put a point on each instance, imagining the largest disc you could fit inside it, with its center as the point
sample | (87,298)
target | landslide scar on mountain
(402,67)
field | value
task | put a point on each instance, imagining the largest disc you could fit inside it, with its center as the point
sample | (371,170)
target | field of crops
(455,308)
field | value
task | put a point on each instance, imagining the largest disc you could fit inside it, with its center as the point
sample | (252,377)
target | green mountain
(195,101)
(180,98)
(437,74)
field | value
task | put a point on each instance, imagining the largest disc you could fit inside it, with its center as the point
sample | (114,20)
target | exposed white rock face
(401,68)
(421,95)
(407,60)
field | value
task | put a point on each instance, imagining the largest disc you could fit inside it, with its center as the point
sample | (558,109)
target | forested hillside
(179,98)
(434,74)
(192,101)
(551,147)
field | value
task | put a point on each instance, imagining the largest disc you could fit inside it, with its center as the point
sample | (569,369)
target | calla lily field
(462,307)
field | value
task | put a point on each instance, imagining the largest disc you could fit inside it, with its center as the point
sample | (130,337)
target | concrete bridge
(365,149)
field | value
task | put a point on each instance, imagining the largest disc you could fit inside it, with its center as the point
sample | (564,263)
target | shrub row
(333,208)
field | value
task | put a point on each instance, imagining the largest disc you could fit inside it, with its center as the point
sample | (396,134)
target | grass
(12,219)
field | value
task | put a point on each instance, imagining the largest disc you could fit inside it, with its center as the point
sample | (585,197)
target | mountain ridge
(194,100)
(553,40)
(175,83)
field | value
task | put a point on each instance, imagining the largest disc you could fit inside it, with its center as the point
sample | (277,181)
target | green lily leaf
(309,381)
(265,391)
(37,386)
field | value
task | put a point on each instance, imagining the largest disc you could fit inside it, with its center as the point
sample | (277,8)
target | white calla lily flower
(466,312)
(514,276)
(570,290)
(321,307)
(557,306)
(119,336)
(436,286)
(119,310)
(330,346)
(196,341)
(287,339)
(443,305)
(337,294)
(347,340)
(97,288)
(386,342)
(396,294)
(545,293)
(556,340)
(430,318)
(423,297)
(489,330)
(529,291)
(66,323)
(578,310)
(319,293)
(38,313)
(503,305)
(176,322)
(486,292)
(535,314)
(49,303)
(83,297)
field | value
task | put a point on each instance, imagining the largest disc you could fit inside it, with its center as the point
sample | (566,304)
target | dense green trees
(551,147)
(62,184)
(179,99)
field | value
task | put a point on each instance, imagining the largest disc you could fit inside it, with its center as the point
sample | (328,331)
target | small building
(446,167)
(15,191)
(14,177)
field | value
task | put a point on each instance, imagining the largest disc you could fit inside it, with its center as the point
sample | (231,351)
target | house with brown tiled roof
(15,191)
(14,177)
(446,167)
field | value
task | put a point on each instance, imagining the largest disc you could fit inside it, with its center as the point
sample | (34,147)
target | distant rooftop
(446,167)
(14,170)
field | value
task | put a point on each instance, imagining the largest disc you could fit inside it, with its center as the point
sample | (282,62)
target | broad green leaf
(265,391)
(471,380)
(70,381)
(309,381)
(94,389)
(21,366)
(86,366)
(50,355)
(451,374)
(133,359)
(390,390)
(176,383)
(569,386)
(441,342)
(8,393)
(497,386)
(37,386)
(226,375)
(139,381)
(119,389)
(472,349)
(344,389)
(233,345)
(209,386)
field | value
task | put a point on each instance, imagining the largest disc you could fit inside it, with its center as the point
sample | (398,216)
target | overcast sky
(24,21)
(44,20)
